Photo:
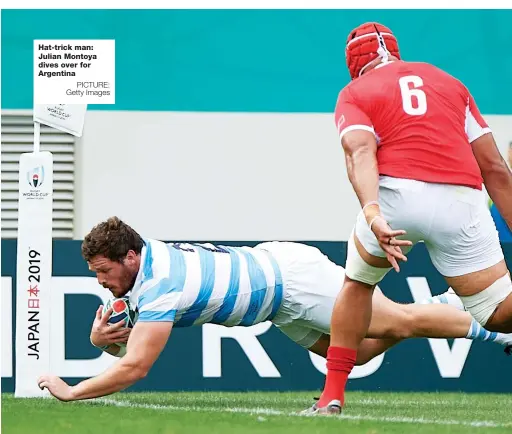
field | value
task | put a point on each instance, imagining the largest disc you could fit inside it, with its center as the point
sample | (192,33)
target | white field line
(272,412)
(377,402)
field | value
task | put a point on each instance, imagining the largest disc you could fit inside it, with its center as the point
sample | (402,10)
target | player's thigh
(366,261)
(463,242)
(312,284)
(303,335)
(464,247)
(401,205)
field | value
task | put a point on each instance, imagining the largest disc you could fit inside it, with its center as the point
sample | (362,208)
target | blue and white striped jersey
(194,284)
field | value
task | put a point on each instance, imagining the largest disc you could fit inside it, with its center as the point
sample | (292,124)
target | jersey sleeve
(159,300)
(349,115)
(475,123)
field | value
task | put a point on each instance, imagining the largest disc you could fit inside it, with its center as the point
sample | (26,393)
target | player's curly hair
(113,239)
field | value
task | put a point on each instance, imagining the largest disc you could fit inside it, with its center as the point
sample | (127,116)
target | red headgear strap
(366,43)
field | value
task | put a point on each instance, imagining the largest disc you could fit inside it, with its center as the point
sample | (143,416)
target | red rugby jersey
(423,118)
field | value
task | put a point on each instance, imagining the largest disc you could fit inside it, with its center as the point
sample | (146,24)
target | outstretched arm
(147,340)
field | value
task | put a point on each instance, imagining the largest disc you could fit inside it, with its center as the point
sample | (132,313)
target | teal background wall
(256,60)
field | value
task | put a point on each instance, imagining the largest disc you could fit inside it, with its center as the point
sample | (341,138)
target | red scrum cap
(366,43)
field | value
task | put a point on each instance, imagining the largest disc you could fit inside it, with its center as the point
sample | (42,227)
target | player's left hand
(56,386)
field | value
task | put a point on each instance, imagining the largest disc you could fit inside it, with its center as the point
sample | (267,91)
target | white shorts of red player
(456,226)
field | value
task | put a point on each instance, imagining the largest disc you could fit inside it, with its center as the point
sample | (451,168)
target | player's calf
(475,331)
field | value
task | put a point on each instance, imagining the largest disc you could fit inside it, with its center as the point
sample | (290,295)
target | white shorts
(311,283)
(453,221)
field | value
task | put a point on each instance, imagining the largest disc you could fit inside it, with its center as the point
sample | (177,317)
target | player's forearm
(363,174)
(119,376)
(499,186)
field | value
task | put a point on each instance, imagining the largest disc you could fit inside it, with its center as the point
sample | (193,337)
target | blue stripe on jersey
(207,262)
(148,262)
(278,289)
(229,301)
(154,315)
(175,281)
(258,289)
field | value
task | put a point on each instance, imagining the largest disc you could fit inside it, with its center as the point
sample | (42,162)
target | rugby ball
(121,311)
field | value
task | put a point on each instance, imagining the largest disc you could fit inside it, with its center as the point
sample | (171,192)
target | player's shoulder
(425,67)
(429,70)
(155,259)
(378,79)
(154,246)
(346,92)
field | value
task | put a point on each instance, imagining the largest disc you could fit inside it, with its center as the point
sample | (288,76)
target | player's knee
(404,325)
(401,325)
(357,269)
(483,305)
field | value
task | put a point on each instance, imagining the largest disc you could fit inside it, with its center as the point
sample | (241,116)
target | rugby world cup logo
(35,176)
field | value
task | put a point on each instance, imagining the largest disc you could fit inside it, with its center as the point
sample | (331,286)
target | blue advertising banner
(257,358)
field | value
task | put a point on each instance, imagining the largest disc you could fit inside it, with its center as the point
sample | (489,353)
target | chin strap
(382,51)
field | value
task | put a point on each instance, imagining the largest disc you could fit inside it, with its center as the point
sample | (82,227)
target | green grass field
(209,412)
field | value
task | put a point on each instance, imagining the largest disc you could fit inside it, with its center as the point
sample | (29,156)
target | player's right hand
(389,243)
(103,333)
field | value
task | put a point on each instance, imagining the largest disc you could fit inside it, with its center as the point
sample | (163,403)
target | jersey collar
(380,65)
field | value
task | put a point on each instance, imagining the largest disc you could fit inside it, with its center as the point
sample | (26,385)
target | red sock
(340,362)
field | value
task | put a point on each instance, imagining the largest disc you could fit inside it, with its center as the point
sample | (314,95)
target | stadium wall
(230,176)
(257,358)
(222,127)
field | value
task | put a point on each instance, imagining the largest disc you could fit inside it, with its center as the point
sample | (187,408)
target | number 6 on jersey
(408,93)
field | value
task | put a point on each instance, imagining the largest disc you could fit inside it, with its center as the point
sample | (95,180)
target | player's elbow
(489,159)
(138,373)
(136,369)
(142,368)
(497,179)
(496,171)
(362,152)
(359,143)
(362,158)
(355,150)
(141,373)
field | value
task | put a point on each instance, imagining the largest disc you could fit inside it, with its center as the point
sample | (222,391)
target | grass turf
(216,412)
